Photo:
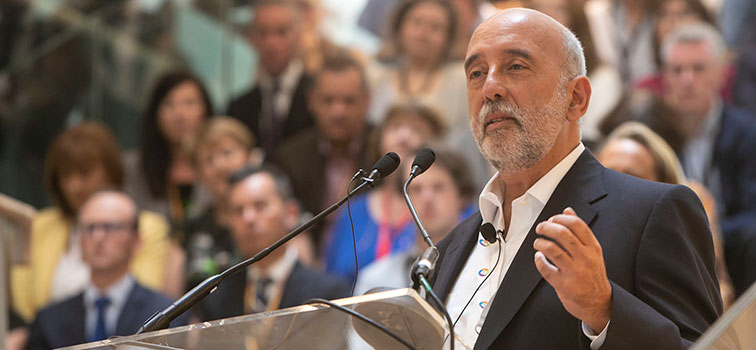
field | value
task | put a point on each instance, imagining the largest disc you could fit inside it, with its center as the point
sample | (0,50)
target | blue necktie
(100,331)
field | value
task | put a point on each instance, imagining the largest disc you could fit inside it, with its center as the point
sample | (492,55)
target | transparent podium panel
(317,326)
(736,329)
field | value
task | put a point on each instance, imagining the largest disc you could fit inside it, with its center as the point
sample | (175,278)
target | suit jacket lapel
(464,238)
(580,187)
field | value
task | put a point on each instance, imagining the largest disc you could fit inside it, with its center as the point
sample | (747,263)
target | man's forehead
(521,26)
(106,201)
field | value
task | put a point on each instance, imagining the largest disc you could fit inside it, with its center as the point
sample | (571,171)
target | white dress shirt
(118,293)
(525,211)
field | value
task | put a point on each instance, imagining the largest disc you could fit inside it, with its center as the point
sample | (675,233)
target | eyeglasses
(108,228)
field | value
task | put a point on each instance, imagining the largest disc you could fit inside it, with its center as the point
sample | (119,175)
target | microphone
(423,161)
(489,233)
(160,320)
(382,168)
(423,267)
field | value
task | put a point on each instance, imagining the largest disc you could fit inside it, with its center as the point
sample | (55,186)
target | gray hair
(695,33)
(573,51)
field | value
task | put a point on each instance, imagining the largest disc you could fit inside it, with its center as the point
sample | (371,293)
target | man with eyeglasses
(113,303)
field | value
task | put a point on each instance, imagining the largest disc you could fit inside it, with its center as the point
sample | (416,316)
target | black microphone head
(387,164)
(423,160)
(488,231)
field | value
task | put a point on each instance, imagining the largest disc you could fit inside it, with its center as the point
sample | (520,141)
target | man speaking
(584,257)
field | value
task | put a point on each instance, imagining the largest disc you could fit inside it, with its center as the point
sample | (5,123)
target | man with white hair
(720,139)
(584,257)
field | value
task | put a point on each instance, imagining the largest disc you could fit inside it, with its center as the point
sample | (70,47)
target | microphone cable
(498,257)
(363,318)
(351,224)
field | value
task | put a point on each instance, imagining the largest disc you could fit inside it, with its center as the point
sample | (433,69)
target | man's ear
(580,94)
(292,214)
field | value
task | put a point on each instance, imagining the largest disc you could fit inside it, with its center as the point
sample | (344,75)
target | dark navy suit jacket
(735,158)
(659,259)
(303,284)
(248,107)
(63,324)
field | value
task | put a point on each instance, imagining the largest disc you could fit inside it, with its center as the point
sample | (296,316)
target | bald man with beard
(585,257)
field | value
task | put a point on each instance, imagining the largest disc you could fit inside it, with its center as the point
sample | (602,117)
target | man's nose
(493,87)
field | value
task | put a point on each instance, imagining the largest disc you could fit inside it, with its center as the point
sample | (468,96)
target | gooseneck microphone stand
(161,319)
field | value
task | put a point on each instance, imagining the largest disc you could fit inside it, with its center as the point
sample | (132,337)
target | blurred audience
(112,303)
(81,161)
(720,139)
(442,196)
(636,150)
(623,33)
(321,160)
(382,223)
(275,109)
(416,65)
(671,15)
(606,85)
(223,145)
(262,210)
(159,175)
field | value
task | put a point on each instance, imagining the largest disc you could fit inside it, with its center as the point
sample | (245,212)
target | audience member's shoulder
(304,139)
(48,216)
(740,118)
(63,307)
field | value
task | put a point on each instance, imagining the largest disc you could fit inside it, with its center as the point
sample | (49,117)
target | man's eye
(476,74)
(517,66)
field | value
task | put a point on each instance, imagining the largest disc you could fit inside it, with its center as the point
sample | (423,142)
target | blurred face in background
(275,35)
(423,34)
(673,14)
(181,113)
(557,9)
(217,160)
(78,184)
(259,216)
(404,134)
(693,78)
(107,223)
(629,157)
(437,200)
(339,103)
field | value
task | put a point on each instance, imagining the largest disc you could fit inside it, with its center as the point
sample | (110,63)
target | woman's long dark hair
(154,150)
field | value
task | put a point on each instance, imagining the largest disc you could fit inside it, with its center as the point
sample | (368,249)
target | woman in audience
(382,223)
(81,161)
(636,150)
(415,62)
(223,145)
(160,176)
(415,65)
(607,89)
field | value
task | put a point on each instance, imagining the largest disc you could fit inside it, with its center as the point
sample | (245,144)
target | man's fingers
(546,269)
(553,252)
(576,225)
(561,235)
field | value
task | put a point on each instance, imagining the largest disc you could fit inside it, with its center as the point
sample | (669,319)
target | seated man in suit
(321,160)
(585,257)
(113,303)
(720,139)
(275,108)
(262,210)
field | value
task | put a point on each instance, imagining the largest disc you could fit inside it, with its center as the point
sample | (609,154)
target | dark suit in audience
(734,160)
(248,109)
(305,162)
(302,284)
(63,324)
